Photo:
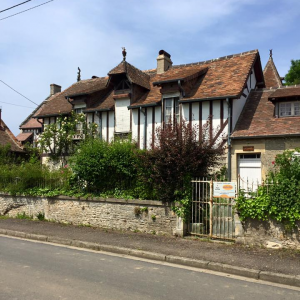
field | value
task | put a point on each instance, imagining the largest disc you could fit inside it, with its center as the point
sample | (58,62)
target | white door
(249,171)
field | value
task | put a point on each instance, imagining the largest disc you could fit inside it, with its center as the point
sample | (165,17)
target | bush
(178,156)
(99,166)
(281,200)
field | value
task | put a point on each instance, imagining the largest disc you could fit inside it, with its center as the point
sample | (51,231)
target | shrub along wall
(141,215)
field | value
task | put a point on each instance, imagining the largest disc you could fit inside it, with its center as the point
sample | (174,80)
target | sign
(224,189)
(248,148)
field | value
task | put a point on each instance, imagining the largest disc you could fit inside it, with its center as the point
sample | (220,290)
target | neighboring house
(8,138)
(135,102)
(31,127)
(268,125)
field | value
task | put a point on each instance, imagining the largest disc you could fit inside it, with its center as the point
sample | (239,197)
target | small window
(250,156)
(289,109)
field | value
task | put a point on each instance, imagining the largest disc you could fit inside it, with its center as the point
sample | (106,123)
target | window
(171,110)
(289,109)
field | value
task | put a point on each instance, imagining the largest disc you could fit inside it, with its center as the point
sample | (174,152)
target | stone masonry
(140,215)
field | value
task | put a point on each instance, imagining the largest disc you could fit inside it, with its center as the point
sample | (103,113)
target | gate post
(211,208)
(181,227)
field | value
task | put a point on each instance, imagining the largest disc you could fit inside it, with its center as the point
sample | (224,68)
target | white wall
(135,116)
(150,111)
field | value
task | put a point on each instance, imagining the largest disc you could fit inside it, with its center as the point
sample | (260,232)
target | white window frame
(174,109)
(282,110)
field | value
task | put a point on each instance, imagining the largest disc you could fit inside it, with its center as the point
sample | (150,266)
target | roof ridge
(279,88)
(217,59)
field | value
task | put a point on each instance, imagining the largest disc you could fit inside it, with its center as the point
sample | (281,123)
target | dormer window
(289,109)
(123,85)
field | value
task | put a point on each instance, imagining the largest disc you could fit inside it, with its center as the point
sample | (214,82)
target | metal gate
(211,217)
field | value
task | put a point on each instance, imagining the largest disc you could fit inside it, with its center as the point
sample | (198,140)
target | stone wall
(141,215)
(269,234)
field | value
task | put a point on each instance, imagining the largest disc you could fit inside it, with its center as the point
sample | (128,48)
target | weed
(144,209)
(41,216)
(153,217)
(23,216)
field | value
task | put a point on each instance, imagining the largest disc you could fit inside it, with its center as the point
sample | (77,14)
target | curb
(201,264)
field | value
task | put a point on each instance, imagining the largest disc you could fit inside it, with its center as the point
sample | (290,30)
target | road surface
(33,270)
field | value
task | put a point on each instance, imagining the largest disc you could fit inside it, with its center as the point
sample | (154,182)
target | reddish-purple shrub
(177,156)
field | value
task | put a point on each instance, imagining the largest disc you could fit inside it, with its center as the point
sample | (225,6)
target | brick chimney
(164,62)
(54,88)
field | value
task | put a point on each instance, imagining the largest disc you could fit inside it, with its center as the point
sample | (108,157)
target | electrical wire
(1,11)
(26,10)
(18,93)
(16,104)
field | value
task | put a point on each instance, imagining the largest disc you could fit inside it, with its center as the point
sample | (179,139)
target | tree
(293,75)
(57,138)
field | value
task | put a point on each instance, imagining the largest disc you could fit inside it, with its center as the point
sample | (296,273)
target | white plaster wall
(216,116)
(237,107)
(157,120)
(142,125)
(185,111)
(149,126)
(135,124)
(111,125)
(104,126)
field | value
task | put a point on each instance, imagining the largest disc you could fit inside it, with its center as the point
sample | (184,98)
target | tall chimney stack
(54,88)
(164,62)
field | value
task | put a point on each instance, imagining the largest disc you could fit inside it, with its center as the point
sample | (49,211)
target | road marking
(162,263)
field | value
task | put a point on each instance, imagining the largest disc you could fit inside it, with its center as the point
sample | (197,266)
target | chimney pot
(164,62)
(54,88)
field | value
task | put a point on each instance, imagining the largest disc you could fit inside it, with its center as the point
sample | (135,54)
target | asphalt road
(30,270)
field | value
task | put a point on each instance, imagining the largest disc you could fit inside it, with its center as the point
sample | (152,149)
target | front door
(249,171)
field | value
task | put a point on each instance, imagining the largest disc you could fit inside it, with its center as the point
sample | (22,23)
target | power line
(18,93)
(15,104)
(26,10)
(14,6)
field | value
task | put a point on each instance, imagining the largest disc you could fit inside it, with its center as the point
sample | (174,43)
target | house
(268,125)
(8,138)
(136,102)
(31,127)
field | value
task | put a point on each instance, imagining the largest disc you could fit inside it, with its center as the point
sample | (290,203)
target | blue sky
(47,44)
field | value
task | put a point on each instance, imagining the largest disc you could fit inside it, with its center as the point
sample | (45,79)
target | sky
(47,44)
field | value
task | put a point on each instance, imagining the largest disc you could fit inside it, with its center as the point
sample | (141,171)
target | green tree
(57,138)
(293,75)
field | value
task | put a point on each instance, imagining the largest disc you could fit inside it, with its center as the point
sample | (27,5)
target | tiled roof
(257,118)
(24,136)
(225,77)
(180,73)
(222,77)
(88,86)
(286,92)
(103,101)
(272,78)
(58,104)
(7,137)
(135,75)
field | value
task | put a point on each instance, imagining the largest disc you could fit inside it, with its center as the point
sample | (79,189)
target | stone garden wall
(140,215)
(269,234)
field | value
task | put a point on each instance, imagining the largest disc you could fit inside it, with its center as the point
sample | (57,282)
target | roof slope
(286,92)
(58,104)
(272,78)
(257,118)
(135,75)
(7,137)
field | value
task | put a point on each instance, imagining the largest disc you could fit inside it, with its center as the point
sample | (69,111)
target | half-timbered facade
(129,101)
